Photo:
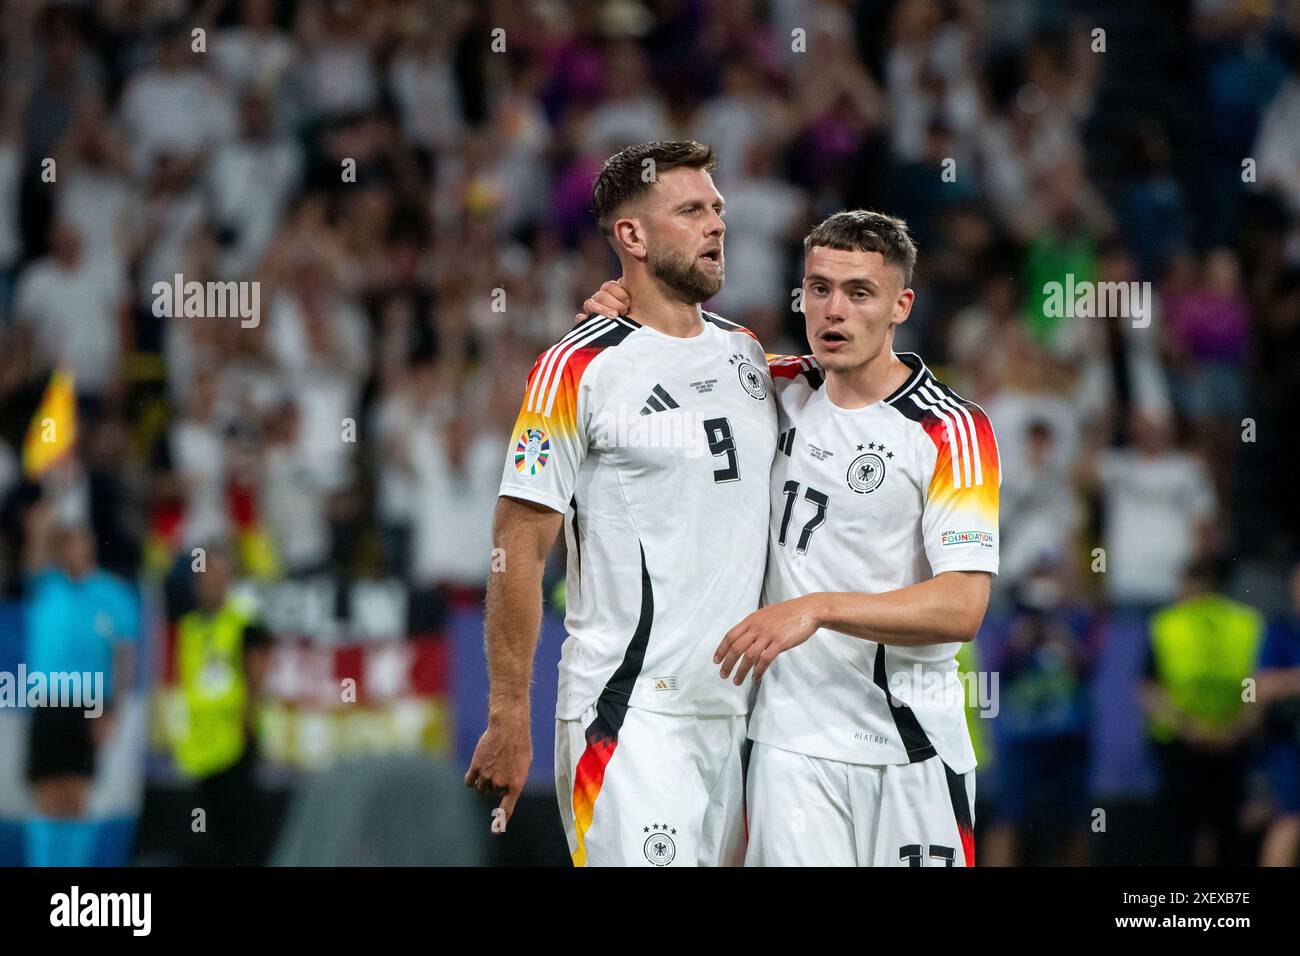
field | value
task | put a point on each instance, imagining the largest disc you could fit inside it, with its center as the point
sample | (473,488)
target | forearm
(944,609)
(514,619)
(522,534)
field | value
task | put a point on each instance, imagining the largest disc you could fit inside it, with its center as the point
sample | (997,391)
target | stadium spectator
(73,311)
(220,663)
(97,196)
(1159,506)
(253,53)
(251,180)
(80,621)
(1041,512)
(1203,651)
(1208,328)
(176,108)
(1041,803)
(457,465)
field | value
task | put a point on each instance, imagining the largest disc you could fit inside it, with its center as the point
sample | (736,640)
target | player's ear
(902,307)
(629,237)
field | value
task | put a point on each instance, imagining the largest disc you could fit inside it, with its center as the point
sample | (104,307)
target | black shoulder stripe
(727,325)
(919,374)
(590,322)
(615,334)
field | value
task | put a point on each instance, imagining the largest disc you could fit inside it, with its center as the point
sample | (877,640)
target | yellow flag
(53,431)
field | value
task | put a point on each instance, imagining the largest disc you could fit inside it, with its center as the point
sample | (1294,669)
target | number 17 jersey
(871,500)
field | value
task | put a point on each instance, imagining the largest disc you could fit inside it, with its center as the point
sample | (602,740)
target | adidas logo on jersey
(659,401)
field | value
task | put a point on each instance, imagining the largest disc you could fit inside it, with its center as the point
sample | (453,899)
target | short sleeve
(549,442)
(959,522)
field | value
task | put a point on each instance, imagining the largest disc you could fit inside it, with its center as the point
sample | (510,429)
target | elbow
(970,600)
(964,626)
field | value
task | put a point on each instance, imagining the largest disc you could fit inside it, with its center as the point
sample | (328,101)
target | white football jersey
(658,450)
(873,499)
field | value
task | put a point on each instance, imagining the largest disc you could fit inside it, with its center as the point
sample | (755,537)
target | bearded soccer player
(883,542)
(648,438)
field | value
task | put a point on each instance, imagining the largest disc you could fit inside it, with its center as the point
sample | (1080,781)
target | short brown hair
(864,230)
(622,178)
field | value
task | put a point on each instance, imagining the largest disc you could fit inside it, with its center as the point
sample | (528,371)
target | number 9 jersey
(871,500)
(657,449)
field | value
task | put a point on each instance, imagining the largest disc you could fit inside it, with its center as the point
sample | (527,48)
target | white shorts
(805,811)
(637,788)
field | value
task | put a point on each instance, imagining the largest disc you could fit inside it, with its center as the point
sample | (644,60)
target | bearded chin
(686,278)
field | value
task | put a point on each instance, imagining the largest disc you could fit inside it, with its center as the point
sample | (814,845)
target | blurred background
(408,185)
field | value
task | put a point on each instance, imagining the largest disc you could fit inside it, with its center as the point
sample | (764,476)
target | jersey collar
(919,372)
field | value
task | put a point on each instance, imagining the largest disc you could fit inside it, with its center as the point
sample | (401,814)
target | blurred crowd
(408,182)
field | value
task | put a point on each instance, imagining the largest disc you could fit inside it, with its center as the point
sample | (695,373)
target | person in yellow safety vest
(220,663)
(1198,696)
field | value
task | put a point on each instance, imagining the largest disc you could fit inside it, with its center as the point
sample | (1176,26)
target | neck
(871,382)
(659,307)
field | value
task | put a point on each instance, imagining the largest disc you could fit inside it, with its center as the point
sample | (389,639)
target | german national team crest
(532,451)
(751,379)
(866,473)
(660,849)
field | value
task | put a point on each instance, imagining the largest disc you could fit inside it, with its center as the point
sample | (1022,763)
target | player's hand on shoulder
(757,640)
(611,301)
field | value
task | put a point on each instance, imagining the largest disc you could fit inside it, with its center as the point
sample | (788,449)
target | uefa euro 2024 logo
(532,451)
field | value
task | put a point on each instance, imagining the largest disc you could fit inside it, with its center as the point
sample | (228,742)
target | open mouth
(832,336)
(713,255)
